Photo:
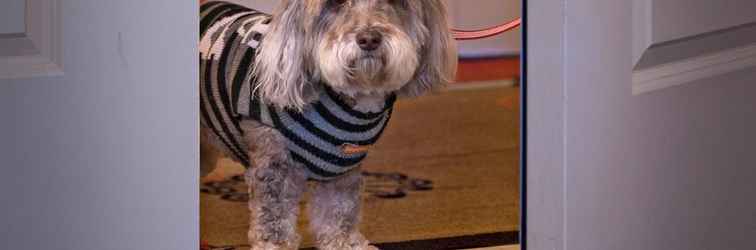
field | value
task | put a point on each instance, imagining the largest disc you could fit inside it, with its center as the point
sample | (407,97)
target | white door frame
(544,99)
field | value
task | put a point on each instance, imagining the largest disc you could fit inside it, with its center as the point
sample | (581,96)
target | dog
(300,95)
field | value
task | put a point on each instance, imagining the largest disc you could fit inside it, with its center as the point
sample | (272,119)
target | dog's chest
(329,137)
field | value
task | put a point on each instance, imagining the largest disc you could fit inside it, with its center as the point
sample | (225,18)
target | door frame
(543,111)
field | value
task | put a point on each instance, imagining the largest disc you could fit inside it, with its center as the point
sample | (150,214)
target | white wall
(468,14)
(478,14)
(12,16)
(105,157)
(262,5)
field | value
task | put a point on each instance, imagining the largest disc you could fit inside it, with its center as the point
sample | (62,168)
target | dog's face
(355,46)
(367,45)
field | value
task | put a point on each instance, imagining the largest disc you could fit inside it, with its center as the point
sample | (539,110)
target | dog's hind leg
(209,155)
(276,187)
(335,213)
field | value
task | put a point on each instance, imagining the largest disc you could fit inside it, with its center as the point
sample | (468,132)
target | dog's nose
(369,40)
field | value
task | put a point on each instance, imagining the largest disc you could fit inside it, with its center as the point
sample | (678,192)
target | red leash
(489,32)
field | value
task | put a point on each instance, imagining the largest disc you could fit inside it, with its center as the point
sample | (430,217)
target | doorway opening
(446,172)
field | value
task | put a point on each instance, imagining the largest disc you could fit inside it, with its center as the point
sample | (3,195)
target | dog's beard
(367,69)
(350,70)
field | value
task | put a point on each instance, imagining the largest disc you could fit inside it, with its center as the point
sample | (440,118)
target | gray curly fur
(335,213)
(275,188)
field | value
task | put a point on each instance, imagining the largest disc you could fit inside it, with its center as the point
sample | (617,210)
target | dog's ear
(438,55)
(282,69)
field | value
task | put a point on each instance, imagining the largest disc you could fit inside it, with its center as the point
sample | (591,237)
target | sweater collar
(339,100)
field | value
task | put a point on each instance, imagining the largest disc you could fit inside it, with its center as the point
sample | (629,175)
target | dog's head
(356,47)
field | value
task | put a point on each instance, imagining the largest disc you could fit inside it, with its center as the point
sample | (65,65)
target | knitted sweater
(323,137)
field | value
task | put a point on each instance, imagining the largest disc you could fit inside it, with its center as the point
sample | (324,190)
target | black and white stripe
(230,35)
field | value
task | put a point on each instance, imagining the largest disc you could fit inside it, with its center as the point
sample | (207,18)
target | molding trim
(37,52)
(660,65)
(691,69)
(642,28)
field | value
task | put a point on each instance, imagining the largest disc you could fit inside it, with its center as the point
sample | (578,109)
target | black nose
(369,40)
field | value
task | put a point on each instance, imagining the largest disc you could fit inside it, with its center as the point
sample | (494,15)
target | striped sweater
(323,137)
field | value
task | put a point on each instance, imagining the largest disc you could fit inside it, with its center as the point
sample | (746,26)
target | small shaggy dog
(301,95)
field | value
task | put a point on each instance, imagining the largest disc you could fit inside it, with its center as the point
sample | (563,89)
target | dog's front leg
(276,187)
(335,212)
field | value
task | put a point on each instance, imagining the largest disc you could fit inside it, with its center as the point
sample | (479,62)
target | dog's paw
(271,246)
(354,241)
(264,245)
(371,247)
(359,247)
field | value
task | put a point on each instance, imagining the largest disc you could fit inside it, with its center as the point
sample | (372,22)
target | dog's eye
(337,2)
(399,3)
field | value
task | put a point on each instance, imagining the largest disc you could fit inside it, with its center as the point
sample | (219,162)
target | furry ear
(281,68)
(438,59)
